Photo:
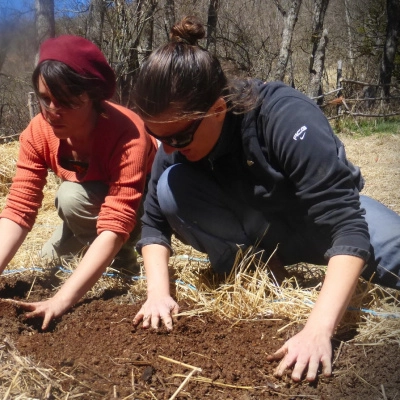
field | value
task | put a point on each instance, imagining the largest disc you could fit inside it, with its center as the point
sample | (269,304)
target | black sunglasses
(180,139)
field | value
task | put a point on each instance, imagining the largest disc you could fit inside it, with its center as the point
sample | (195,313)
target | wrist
(64,300)
(324,327)
(158,292)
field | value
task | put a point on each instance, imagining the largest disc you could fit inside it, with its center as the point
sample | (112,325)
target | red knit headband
(81,55)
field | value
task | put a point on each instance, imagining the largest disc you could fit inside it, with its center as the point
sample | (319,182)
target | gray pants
(78,205)
(214,222)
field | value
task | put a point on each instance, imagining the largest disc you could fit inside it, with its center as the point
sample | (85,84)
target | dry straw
(251,292)
(22,379)
(9,154)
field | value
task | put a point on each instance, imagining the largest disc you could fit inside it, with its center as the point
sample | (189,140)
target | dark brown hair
(66,85)
(184,75)
(180,73)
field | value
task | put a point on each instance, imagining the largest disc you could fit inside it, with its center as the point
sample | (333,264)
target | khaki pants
(78,205)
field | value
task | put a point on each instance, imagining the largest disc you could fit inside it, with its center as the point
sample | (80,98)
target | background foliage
(246,35)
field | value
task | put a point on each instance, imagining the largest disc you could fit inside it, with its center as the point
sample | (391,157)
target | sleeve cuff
(348,251)
(152,240)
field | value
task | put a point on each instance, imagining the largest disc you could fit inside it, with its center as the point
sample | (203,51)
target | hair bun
(189,30)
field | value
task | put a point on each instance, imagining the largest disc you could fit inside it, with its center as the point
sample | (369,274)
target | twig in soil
(183,384)
(11,385)
(302,396)
(128,397)
(366,382)
(94,372)
(47,394)
(286,326)
(160,380)
(30,290)
(118,322)
(129,361)
(338,353)
(209,358)
(91,391)
(383,392)
(215,383)
(270,384)
(181,363)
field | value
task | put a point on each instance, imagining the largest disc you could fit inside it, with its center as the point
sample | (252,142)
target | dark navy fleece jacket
(283,159)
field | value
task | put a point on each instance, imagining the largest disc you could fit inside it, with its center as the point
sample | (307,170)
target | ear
(219,109)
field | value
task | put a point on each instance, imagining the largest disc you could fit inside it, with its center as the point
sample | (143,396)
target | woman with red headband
(102,155)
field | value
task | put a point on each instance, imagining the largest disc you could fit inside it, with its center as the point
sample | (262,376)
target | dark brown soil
(100,355)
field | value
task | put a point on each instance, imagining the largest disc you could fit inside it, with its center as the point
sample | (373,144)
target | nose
(53,110)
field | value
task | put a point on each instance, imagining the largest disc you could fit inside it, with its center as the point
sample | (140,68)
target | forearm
(93,264)
(155,259)
(341,279)
(159,306)
(12,236)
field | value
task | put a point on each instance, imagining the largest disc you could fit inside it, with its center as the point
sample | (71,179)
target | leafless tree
(250,37)
(349,36)
(131,31)
(6,32)
(95,21)
(169,15)
(390,47)
(319,40)
(44,18)
(212,25)
(290,15)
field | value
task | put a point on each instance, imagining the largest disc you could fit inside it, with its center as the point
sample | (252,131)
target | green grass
(367,126)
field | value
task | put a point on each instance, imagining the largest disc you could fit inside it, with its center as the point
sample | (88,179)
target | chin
(192,157)
(61,134)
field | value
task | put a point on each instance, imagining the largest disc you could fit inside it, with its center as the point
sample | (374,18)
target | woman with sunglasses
(102,155)
(250,163)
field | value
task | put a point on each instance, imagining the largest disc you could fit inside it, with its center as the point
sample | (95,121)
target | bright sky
(28,5)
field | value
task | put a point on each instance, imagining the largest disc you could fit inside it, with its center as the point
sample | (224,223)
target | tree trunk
(390,47)
(44,19)
(319,40)
(95,22)
(350,39)
(126,53)
(320,7)
(314,84)
(134,30)
(145,27)
(212,25)
(6,32)
(170,18)
(290,19)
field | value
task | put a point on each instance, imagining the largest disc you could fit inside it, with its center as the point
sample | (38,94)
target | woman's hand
(48,309)
(305,351)
(93,264)
(159,306)
(155,310)
(312,346)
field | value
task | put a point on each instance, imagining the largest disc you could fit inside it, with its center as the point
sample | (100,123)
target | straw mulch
(250,292)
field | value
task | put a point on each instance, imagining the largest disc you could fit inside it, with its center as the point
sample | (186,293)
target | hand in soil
(305,351)
(48,309)
(157,310)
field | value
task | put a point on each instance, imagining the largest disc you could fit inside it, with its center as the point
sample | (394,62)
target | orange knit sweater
(122,156)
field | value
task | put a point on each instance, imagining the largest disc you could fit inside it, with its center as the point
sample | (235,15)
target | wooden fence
(359,99)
